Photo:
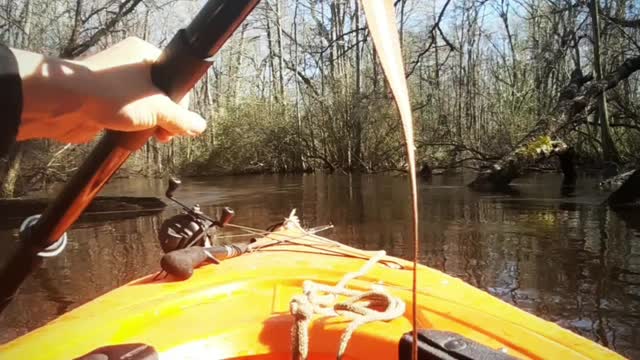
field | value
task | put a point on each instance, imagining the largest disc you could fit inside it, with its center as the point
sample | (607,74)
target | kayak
(294,293)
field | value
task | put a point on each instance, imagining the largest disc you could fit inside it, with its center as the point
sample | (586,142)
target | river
(562,257)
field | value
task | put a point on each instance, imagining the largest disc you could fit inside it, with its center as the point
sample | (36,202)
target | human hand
(72,101)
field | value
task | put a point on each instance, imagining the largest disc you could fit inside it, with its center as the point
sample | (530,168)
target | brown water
(564,258)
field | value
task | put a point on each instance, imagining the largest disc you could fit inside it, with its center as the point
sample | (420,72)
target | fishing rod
(181,64)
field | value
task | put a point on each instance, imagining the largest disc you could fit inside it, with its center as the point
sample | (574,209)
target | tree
(609,151)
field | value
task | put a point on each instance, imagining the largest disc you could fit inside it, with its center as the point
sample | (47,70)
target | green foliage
(251,136)
(258,136)
(542,145)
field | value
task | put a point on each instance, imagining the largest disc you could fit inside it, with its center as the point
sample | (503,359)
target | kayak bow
(240,308)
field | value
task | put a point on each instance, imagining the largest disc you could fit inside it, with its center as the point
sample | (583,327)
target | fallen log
(628,194)
(514,165)
(613,183)
(576,101)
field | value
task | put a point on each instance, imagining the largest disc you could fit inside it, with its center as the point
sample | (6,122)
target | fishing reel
(192,227)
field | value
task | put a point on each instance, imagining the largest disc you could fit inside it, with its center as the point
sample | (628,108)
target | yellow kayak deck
(240,308)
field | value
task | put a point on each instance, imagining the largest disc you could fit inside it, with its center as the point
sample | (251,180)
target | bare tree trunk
(358,81)
(296,57)
(280,49)
(459,101)
(504,15)
(75,30)
(14,160)
(145,26)
(356,14)
(157,151)
(574,36)
(272,66)
(609,151)
(237,64)
(23,36)
(376,71)
(403,4)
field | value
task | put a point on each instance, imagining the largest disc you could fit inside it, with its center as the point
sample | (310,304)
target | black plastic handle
(181,263)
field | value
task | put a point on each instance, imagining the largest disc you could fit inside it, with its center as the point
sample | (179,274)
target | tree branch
(628,23)
(436,26)
(124,9)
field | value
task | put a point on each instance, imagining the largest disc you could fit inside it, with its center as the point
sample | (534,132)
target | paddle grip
(181,64)
(180,263)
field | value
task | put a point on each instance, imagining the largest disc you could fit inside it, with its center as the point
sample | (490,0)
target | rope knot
(365,304)
(301,308)
(362,307)
(302,311)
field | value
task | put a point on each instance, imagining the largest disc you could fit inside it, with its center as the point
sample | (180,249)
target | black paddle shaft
(181,64)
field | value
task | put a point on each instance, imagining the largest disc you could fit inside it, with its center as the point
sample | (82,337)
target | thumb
(177,120)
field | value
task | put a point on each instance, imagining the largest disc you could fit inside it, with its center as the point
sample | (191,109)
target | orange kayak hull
(240,309)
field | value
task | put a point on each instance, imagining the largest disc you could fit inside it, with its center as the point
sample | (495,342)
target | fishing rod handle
(181,263)
(180,65)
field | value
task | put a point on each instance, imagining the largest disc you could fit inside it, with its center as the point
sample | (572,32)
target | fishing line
(265,233)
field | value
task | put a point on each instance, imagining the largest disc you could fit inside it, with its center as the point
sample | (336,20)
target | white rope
(321,299)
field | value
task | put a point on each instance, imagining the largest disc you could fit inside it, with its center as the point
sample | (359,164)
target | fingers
(184,102)
(176,120)
(163,135)
(145,50)
(123,97)
(78,135)
(131,50)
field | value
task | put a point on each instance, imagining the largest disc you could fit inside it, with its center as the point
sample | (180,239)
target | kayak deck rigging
(320,245)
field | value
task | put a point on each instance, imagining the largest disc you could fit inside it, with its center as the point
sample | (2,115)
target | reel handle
(174,184)
(226,216)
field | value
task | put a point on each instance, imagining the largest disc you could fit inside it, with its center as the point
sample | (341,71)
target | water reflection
(558,255)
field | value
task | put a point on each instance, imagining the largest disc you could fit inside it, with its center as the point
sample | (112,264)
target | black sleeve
(10,99)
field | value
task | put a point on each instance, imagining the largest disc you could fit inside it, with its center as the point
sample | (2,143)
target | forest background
(299,88)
